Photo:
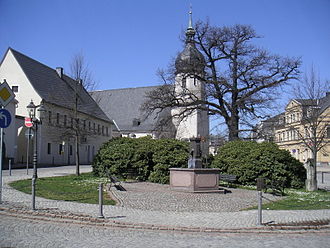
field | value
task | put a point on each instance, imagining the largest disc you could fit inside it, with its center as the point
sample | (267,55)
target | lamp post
(32,114)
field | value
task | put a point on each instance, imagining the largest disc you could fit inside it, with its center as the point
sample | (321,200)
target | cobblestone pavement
(20,233)
(198,219)
(151,196)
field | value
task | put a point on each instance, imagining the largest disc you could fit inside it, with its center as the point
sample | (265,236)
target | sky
(125,42)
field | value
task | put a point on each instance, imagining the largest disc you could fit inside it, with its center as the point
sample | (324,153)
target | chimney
(59,71)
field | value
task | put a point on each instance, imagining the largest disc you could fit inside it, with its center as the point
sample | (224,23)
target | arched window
(184,82)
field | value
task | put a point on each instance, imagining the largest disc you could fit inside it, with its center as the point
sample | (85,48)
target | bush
(150,159)
(250,160)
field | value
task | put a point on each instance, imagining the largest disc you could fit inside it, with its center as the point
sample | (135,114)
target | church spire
(190,18)
(190,32)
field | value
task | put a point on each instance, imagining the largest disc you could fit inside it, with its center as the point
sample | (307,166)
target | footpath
(18,204)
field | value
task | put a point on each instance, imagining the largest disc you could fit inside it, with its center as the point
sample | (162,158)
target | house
(265,130)
(61,96)
(293,129)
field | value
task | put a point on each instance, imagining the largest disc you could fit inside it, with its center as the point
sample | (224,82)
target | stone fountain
(195,178)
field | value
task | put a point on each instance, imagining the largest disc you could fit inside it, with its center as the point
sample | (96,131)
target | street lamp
(32,114)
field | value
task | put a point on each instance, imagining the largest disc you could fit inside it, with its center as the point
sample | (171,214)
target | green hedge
(150,159)
(250,160)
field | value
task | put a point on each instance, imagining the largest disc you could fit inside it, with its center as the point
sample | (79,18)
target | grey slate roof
(323,102)
(123,106)
(56,90)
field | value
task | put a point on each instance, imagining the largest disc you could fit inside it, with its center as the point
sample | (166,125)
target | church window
(184,83)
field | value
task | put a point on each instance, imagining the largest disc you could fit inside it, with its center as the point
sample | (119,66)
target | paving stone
(221,213)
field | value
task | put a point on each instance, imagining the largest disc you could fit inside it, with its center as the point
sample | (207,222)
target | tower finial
(190,17)
(190,33)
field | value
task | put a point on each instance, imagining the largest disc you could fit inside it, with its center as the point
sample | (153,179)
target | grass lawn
(300,200)
(82,189)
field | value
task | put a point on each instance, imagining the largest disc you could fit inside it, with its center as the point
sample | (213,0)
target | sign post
(6,95)
(29,135)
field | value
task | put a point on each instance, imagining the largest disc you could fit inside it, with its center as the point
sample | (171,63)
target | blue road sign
(5,118)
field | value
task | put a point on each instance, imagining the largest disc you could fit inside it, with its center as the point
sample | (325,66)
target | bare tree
(79,70)
(240,78)
(84,81)
(315,121)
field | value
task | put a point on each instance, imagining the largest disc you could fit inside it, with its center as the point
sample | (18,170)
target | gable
(11,70)
(292,104)
(50,87)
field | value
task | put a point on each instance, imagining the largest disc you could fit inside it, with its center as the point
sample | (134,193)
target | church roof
(123,106)
(56,90)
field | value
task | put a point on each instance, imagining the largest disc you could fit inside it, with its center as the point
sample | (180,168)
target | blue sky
(125,42)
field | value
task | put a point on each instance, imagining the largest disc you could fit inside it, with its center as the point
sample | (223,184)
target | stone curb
(89,220)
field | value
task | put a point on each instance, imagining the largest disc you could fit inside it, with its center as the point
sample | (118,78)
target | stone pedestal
(198,180)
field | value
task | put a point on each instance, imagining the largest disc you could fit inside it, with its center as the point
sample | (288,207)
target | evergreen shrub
(249,160)
(149,158)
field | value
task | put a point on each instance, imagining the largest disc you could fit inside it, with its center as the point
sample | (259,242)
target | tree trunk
(77,155)
(311,183)
(233,128)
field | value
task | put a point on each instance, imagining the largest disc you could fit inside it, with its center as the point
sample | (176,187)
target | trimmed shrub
(150,159)
(168,153)
(250,160)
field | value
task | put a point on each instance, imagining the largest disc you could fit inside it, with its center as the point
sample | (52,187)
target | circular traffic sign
(5,118)
(28,122)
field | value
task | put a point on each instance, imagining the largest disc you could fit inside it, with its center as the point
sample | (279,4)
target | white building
(32,80)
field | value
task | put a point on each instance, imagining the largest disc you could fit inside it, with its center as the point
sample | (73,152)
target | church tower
(190,66)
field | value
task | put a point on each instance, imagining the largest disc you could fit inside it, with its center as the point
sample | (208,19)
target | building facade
(66,103)
(304,122)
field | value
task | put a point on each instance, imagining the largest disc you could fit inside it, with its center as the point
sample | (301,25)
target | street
(16,232)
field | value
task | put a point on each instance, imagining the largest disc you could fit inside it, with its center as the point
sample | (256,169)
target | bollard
(260,187)
(9,164)
(259,221)
(34,193)
(101,200)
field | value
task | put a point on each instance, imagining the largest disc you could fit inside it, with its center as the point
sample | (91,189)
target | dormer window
(136,122)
